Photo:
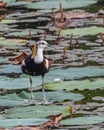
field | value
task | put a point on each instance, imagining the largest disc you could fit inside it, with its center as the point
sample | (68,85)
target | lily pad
(75,73)
(11,42)
(17,4)
(11,100)
(3,60)
(23,33)
(55,4)
(7,123)
(93,30)
(10,69)
(83,120)
(17,83)
(2,117)
(77,84)
(62,74)
(8,21)
(9,1)
(57,96)
(38,111)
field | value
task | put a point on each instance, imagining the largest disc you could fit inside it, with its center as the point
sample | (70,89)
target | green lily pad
(18,83)
(55,4)
(17,4)
(11,100)
(93,30)
(77,84)
(7,123)
(54,96)
(3,60)
(11,42)
(38,111)
(83,120)
(8,21)
(23,33)
(2,117)
(9,1)
(67,74)
(76,73)
(8,68)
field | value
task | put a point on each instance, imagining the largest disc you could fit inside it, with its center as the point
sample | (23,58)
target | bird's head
(42,44)
(39,45)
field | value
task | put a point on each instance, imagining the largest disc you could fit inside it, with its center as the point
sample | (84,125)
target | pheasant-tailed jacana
(36,64)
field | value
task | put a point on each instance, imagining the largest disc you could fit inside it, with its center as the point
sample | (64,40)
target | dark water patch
(11,75)
(93,8)
(31,24)
(17,5)
(89,94)
(84,47)
(92,63)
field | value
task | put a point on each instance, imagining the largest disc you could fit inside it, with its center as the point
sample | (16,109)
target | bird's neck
(39,56)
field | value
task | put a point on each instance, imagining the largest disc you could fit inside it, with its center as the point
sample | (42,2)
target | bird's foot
(46,102)
(32,97)
(30,101)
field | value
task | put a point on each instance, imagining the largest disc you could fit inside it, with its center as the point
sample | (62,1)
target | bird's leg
(32,96)
(43,90)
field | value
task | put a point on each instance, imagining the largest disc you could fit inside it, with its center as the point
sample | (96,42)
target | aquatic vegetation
(75,83)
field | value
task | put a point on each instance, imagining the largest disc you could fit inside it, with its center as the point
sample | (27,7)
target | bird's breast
(38,59)
(32,68)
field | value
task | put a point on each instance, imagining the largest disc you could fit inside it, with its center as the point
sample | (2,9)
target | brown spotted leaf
(18,59)
(2,4)
(54,122)
(1,128)
(29,128)
(56,119)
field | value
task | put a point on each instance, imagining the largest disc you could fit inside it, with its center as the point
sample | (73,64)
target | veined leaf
(83,31)
(83,120)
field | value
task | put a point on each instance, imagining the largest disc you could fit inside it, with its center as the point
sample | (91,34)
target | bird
(36,64)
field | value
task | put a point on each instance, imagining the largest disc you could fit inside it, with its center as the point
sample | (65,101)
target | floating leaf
(83,120)
(49,124)
(76,73)
(55,4)
(8,21)
(8,68)
(38,111)
(93,30)
(9,1)
(23,33)
(2,117)
(77,84)
(7,123)
(17,83)
(11,42)
(67,74)
(16,4)
(60,96)
(11,100)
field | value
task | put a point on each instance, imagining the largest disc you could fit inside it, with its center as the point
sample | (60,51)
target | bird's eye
(42,43)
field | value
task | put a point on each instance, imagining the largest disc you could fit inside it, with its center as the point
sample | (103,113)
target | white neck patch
(39,56)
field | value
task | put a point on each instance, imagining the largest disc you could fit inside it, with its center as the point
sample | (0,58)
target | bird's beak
(50,45)
(34,50)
